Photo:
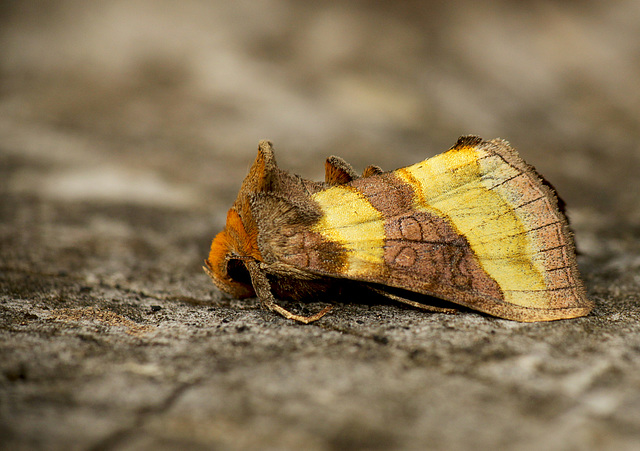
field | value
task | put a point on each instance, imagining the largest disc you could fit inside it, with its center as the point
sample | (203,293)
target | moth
(475,227)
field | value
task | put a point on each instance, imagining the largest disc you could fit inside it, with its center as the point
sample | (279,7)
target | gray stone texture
(126,128)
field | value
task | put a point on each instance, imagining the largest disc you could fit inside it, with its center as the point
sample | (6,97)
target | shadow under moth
(475,226)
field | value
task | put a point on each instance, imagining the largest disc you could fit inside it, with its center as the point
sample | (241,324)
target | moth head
(239,239)
(228,250)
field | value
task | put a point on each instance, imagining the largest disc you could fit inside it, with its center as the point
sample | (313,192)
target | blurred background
(163,102)
(126,128)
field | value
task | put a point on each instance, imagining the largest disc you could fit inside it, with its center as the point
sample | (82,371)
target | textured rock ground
(125,130)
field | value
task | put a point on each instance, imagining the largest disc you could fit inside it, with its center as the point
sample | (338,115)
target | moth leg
(287,314)
(263,290)
(429,308)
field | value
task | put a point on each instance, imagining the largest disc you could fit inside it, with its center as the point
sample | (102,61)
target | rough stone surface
(125,131)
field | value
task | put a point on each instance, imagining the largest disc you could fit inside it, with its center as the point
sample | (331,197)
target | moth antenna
(412,303)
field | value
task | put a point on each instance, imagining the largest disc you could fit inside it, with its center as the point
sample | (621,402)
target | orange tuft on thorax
(233,241)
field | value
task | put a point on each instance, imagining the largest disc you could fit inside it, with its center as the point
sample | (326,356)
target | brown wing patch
(286,235)
(306,249)
(386,193)
(425,254)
